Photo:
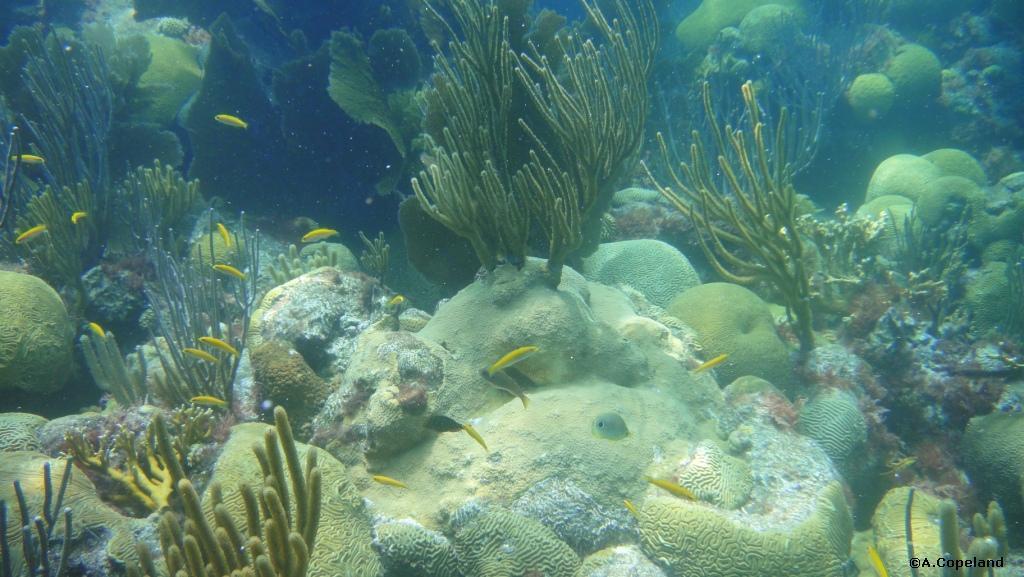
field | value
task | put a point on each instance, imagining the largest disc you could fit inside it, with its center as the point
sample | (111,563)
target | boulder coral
(993,452)
(35,335)
(700,27)
(172,77)
(903,175)
(871,95)
(955,162)
(916,73)
(284,378)
(654,268)
(730,319)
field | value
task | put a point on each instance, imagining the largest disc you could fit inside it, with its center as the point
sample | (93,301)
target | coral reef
(891,521)
(744,330)
(833,419)
(496,542)
(678,532)
(702,25)
(408,548)
(716,477)
(871,95)
(284,378)
(652,267)
(35,335)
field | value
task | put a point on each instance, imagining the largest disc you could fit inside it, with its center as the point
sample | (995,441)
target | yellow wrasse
(29,158)
(30,233)
(208,401)
(229,270)
(319,234)
(876,562)
(711,363)
(78,215)
(396,300)
(232,121)
(896,464)
(219,344)
(631,507)
(389,481)
(675,489)
(200,354)
(224,234)
(472,432)
(98,330)
(512,358)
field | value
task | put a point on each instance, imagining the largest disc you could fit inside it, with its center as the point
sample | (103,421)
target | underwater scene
(511,288)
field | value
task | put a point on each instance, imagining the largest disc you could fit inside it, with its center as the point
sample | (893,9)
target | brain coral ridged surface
(694,540)
(498,543)
(834,420)
(35,335)
(343,540)
(716,477)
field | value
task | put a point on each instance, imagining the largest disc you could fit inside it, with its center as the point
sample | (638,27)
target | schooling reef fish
(97,330)
(224,234)
(396,301)
(876,562)
(510,380)
(675,489)
(78,215)
(319,234)
(30,233)
(710,364)
(208,401)
(219,344)
(631,507)
(232,121)
(390,482)
(229,270)
(511,358)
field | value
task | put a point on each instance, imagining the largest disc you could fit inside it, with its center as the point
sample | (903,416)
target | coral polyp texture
(35,335)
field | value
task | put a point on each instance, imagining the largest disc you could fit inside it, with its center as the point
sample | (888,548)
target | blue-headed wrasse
(219,344)
(512,357)
(224,234)
(200,354)
(319,234)
(229,270)
(674,488)
(232,121)
(712,363)
(29,158)
(208,401)
(390,482)
(30,233)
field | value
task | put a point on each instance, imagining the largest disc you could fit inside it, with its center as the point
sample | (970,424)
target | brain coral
(835,422)
(618,562)
(987,297)
(498,543)
(654,268)
(954,162)
(35,335)
(993,451)
(694,540)
(916,73)
(172,76)
(730,319)
(943,201)
(407,548)
(903,175)
(716,477)
(343,539)
(871,95)
(699,29)
(889,523)
(285,379)
(18,432)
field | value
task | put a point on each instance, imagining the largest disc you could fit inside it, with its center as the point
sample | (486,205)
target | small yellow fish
(208,401)
(78,215)
(224,234)
(389,481)
(30,233)
(219,344)
(396,301)
(512,358)
(229,270)
(200,354)
(675,489)
(472,432)
(232,121)
(632,508)
(29,158)
(876,562)
(98,330)
(711,363)
(319,234)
